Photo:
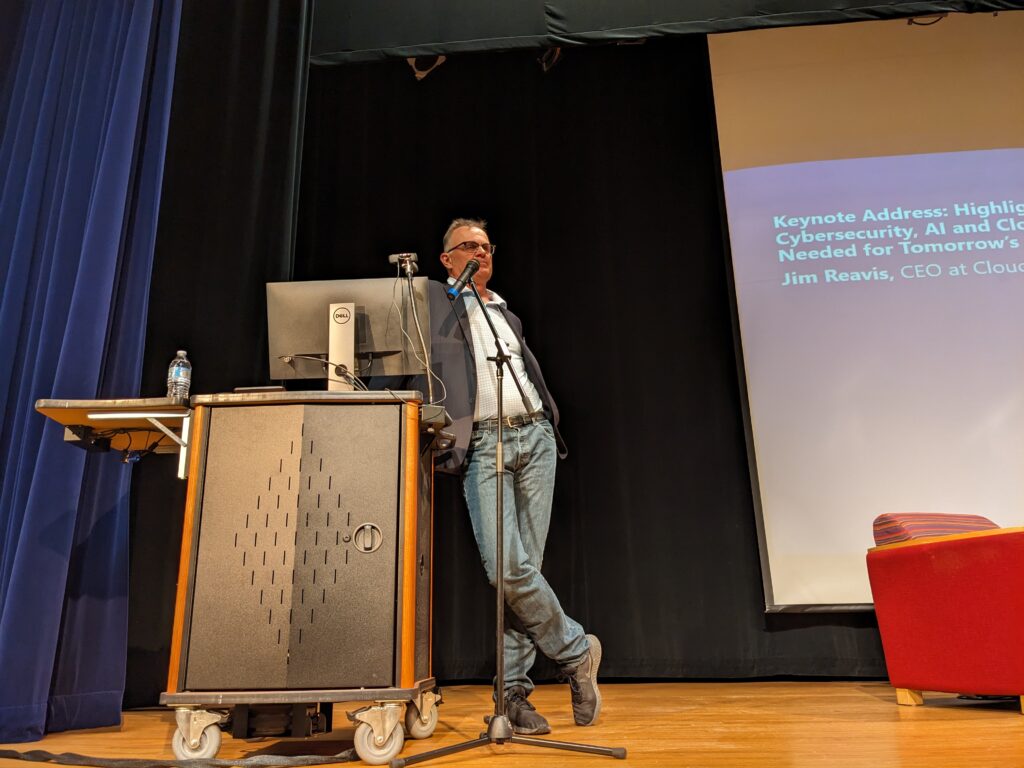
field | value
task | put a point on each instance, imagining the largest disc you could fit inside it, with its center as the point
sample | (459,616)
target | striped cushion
(891,528)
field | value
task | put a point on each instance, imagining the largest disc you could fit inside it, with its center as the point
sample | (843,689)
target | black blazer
(452,360)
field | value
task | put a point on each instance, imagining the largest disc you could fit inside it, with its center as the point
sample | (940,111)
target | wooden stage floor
(767,725)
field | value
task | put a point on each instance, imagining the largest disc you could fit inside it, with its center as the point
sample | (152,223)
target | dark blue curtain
(84,106)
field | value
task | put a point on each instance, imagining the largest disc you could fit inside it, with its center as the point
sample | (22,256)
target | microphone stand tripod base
(499,731)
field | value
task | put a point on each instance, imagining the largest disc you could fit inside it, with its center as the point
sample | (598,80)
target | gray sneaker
(525,719)
(582,679)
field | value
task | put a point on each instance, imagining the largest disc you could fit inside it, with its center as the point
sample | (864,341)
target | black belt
(511,421)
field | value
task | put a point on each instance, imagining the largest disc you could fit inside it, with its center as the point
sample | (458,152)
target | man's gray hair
(456,223)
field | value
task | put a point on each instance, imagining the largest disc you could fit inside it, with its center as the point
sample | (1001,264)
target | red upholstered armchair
(949,595)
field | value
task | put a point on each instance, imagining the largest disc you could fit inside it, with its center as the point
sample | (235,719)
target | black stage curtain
(11,13)
(601,182)
(226,228)
(348,31)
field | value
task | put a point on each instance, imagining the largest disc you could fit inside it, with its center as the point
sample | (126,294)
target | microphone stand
(407,262)
(499,728)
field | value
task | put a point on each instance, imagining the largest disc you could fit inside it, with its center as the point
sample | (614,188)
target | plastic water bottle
(179,376)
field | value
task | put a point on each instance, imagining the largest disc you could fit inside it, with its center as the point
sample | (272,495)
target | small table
(133,426)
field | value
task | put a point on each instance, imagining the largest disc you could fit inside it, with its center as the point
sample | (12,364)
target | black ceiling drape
(347,31)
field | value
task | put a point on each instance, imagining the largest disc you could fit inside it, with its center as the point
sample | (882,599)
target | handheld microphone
(455,288)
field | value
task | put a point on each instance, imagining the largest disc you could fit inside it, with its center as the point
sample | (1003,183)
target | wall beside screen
(874,184)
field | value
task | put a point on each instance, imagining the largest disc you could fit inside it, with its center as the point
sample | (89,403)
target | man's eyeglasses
(469,245)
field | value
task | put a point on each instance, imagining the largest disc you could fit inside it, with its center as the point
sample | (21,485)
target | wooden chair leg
(911,698)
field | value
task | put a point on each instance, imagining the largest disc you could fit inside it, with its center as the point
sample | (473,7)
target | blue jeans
(537,619)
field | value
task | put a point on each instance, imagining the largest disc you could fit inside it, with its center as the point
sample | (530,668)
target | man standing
(461,344)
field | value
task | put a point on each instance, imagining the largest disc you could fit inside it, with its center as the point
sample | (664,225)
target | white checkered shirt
(486,379)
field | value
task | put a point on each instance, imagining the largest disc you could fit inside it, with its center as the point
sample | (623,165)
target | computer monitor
(298,322)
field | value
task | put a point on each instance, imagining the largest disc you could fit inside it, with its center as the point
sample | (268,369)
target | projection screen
(874,183)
